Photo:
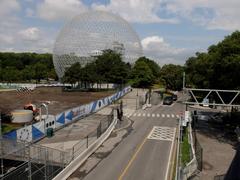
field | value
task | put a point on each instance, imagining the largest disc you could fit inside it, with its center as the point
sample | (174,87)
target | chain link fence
(23,161)
(197,146)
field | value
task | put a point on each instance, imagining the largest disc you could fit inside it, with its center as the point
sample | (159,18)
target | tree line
(218,68)
(25,67)
(110,68)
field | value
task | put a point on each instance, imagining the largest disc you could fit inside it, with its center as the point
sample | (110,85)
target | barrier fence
(21,160)
(36,131)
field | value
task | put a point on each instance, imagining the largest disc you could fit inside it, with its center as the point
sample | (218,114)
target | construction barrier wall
(36,131)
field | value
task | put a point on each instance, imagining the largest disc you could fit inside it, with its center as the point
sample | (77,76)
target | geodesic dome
(88,34)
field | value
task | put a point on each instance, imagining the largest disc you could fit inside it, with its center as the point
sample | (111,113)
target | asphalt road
(138,156)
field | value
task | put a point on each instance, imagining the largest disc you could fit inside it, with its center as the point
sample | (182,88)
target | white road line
(134,114)
(148,115)
(168,116)
(157,115)
(170,155)
(177,116)
(163,115)
(139,114)
(144,114)
(153,115)
(173,116)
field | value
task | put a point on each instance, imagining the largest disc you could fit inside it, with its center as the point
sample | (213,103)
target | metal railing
(21,160)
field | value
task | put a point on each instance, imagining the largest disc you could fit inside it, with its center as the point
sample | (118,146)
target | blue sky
(170,30)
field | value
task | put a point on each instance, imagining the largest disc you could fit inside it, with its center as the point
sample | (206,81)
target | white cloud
(136,10)
(6,7)
(6,39)
(156,48)
(30,34)
(214,14)
(60,9)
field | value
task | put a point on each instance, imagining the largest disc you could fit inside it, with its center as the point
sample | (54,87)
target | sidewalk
(217,154)
(67,137)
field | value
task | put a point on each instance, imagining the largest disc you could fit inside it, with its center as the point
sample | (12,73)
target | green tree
(111,69)
(155,68)
(40,71)
(73,74)
(142,75)
(219,67)
(171,75)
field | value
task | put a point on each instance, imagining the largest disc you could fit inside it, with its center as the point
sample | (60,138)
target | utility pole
(184,80)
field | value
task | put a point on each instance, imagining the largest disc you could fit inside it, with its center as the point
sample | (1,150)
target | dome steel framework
(88,34)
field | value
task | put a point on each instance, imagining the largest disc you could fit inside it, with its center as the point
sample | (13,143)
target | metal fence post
(45,168)
(72,152)
(87,141)
(29,163)
(100,128)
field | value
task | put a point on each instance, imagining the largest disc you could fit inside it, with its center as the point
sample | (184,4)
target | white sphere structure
(88,34)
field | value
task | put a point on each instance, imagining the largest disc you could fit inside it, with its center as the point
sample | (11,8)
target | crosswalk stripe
(151,115)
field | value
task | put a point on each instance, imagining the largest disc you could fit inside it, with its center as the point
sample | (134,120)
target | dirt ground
(57,99)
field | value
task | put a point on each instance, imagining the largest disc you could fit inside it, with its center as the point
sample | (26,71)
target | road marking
(172,115)
(158,115)
(153,115)
(143,114)
(163,115)
(134,114)
(148,115)
(170,155)
(162,133)
(168,115)
(139,114)
(133,158)
(177,116)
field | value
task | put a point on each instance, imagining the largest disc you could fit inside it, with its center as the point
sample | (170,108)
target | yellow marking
(132,159)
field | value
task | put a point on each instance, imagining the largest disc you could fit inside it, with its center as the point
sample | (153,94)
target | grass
(158,86)
(185,149)
(7,128)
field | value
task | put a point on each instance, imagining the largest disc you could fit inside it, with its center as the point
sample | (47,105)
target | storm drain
(162,133)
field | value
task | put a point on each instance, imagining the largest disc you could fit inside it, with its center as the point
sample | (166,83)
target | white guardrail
(191,167)
(76,163)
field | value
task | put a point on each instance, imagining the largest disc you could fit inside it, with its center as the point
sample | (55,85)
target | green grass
(158,86)
(7,128)
(185,149)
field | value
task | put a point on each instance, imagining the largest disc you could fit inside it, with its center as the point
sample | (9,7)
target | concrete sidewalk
(217,156)
(67,137)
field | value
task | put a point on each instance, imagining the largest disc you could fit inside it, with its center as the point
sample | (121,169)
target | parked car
(168,100)
(174,96)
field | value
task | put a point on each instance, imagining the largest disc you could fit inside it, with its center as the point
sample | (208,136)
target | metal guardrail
(195,164)
(80,159)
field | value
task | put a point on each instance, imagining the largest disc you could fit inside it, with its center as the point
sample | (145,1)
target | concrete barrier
(76,163)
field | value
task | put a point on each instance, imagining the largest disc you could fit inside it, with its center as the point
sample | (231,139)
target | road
(144,153)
